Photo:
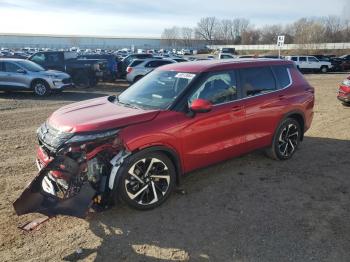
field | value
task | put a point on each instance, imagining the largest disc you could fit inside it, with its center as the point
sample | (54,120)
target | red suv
(178,118)
(344,92)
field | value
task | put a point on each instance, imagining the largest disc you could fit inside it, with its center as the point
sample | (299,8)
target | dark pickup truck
(84,72)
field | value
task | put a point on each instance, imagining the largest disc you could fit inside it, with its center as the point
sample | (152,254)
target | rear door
(263,105)
(303,63)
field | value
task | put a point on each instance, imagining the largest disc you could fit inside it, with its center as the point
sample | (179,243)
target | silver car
(20,74)
(139,68)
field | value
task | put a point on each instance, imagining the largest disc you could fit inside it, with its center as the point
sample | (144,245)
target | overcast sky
(149,18)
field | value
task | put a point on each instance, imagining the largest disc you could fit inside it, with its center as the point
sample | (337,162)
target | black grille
(52,138)
(67,81)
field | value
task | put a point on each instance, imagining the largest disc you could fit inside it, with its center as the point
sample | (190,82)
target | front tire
(324,69)
(286,140)
(41,88)
(147,180)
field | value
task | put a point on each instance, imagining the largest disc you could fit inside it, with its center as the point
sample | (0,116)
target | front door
(214,136)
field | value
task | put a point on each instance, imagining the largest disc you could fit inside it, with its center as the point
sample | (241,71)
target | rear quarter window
(282,76)
(257,80)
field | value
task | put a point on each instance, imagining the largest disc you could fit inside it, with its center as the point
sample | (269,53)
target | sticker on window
(185,75)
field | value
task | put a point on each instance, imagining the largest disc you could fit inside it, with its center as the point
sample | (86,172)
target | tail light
(128,69)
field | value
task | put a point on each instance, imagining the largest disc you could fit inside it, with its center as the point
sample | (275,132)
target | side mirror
(21,71)
(201,106)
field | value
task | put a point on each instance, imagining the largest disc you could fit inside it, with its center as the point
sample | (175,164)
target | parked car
(345,62)
(139,69)
(127,60)
(83,72)
(178,118)
(112,61)
(20,74)
(310,64)
(226,56)
(344,92)
(336,62)
(228,50)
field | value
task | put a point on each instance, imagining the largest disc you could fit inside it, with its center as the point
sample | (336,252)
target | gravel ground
(250,208)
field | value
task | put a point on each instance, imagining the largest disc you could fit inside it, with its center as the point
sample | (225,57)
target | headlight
(346,82)
(90,137)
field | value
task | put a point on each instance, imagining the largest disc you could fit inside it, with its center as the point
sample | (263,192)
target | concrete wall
(53,41)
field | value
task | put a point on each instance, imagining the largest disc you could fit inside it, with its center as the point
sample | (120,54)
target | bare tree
(187,35)
(269,34)
(206,28)
(170,36)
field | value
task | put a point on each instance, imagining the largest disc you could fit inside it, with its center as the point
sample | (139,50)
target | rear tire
(146,180)
(286,140)
(41,88)
(347,104)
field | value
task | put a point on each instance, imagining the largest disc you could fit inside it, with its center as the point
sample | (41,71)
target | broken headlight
(79,138)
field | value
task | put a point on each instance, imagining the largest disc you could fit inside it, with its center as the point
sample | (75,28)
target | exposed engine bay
(76,172)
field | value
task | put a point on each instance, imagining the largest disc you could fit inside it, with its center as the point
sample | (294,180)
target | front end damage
(76,172)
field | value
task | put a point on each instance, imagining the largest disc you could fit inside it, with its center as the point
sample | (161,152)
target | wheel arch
(37,80)
(170,153)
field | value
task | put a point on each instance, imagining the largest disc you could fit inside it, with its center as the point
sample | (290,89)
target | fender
(122,156)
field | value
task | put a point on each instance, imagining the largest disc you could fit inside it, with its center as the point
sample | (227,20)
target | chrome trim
(244,98)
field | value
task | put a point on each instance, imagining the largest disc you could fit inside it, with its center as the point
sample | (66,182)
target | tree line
(240,31)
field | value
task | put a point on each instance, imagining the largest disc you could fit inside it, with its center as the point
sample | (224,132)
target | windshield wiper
(127,104)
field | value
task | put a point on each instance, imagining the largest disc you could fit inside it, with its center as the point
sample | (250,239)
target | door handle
(236,108)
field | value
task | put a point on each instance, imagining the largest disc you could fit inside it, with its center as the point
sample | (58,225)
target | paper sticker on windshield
(185,75)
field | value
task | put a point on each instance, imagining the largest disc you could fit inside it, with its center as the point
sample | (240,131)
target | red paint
(224,131)
(344,92)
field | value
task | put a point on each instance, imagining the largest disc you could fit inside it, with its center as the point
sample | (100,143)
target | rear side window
(302,59)
(294,58)
(282,76)
(257,80)
(157,63)
(135,63)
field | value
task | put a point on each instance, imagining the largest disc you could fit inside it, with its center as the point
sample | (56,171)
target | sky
(149,18)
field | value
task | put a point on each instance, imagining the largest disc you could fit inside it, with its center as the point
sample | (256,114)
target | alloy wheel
(147,181)
(40,89)
(288,140)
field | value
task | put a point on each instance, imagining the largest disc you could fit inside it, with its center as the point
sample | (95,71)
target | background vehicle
(20,74)
(310,63)
(345,62)
(178,118)
(84,72)
(127,60)
(228,50)
(226,56)
(344,92)
(112,60)
(139,69)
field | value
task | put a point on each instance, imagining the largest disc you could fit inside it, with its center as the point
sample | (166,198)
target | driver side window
(218,88)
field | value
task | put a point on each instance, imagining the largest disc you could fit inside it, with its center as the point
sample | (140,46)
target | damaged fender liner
(35,200)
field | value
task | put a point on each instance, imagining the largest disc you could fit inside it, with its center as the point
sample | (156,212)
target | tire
(324,69)
(286,140)
(146,192)
(347,104)
(41,88)
(82,79)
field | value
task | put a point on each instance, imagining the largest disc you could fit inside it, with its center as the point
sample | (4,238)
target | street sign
(280,40)
(280,43)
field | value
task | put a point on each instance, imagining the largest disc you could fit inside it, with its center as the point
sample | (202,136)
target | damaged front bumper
(38,198)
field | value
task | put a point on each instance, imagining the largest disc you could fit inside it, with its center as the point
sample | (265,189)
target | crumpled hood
(96,115)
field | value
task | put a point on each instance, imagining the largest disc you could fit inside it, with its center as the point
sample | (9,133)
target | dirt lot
(247,209)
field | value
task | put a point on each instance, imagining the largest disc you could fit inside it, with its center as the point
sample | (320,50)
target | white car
(310,63)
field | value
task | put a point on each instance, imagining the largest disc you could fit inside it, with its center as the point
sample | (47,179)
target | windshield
(30,66)
(157,90)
